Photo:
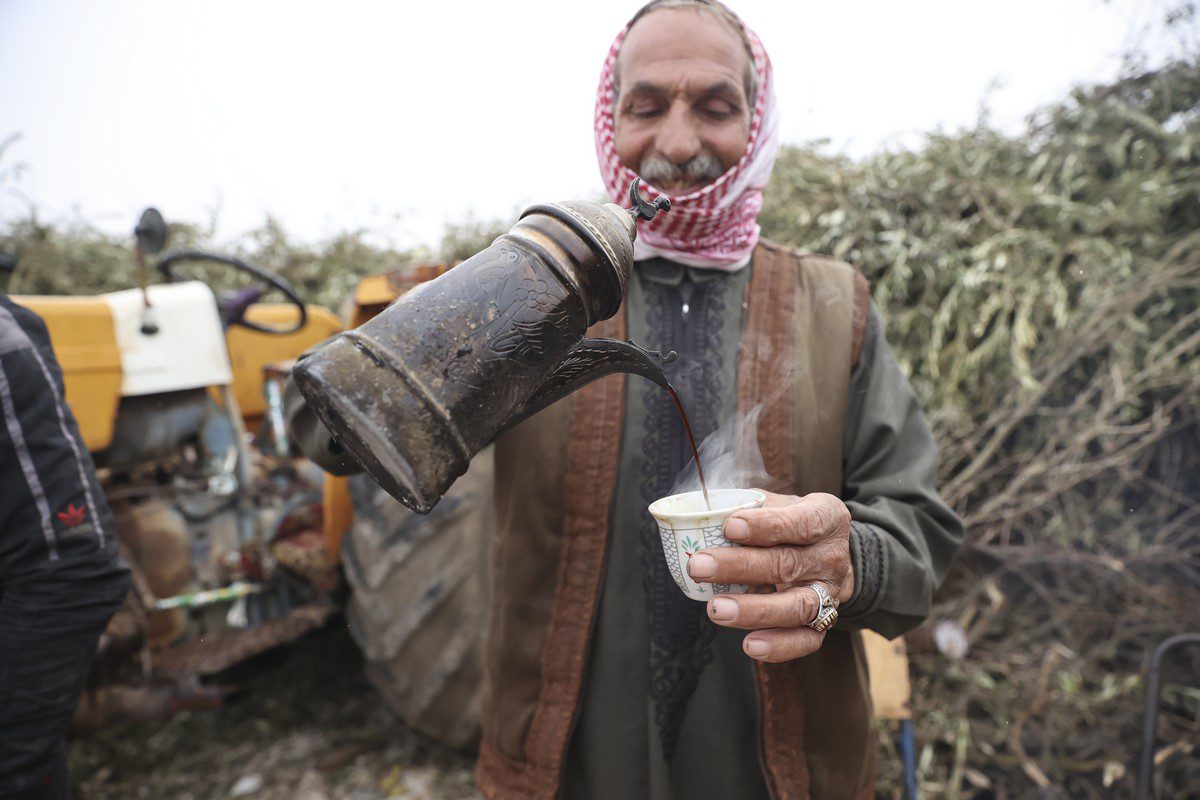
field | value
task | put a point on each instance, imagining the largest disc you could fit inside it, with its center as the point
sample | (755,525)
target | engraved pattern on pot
(531,321)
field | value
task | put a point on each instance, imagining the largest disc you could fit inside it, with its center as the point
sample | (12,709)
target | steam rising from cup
(730,457)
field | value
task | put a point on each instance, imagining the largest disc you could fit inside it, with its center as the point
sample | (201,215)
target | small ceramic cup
(687,527)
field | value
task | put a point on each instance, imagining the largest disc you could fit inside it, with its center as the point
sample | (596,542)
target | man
(602,679)
(60,575)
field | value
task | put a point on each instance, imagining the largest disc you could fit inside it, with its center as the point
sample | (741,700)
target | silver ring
(826,606)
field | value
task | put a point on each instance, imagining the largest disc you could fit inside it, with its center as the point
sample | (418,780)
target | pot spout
(589,360)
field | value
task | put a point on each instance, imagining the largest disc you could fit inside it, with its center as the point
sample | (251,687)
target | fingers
(795,540)
(790,520)
(782,644)
(779,622)
(790,608)
(828,561)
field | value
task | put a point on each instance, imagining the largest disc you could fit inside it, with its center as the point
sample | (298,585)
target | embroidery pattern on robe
(681,636)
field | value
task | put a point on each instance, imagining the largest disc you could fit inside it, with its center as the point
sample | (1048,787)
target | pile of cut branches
(1043,293)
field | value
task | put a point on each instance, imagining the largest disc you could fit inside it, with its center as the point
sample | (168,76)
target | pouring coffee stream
(687,427)
(414,393)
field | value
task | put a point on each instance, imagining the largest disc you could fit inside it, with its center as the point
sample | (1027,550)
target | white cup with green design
(687,527)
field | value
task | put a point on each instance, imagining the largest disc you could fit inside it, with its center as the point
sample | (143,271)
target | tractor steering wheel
(233,306)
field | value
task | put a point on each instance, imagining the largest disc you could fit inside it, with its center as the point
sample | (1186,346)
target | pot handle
(589,360)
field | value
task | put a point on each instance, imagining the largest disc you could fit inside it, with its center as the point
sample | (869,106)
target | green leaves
(988,253)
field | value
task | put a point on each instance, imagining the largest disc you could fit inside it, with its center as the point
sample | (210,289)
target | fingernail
(758,648)
(723,608)
(736,528)
(702,566)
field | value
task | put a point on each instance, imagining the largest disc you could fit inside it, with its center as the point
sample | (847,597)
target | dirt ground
(303,724)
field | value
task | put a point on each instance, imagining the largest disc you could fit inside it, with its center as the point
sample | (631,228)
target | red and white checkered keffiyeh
(716,226)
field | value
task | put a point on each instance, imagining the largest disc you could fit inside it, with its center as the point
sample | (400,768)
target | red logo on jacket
(72,515)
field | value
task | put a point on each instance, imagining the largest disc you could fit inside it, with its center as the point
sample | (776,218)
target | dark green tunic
(670,707)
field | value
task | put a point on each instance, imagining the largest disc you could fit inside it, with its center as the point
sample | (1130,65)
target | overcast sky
(397,117)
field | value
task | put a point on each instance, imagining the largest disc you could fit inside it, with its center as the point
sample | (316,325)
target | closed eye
(644,110)
(716,108)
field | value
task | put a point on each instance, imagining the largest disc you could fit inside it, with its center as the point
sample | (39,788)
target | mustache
(699,170)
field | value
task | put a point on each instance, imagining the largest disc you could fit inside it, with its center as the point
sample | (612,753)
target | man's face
(682,117)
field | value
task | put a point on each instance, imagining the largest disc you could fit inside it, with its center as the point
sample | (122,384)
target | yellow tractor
(233,539)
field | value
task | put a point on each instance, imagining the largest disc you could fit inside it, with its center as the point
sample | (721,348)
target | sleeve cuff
(869,557)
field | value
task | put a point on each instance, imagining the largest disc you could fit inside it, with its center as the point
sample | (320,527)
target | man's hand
(792,542)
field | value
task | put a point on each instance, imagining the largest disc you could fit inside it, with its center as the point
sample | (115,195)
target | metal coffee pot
(417,391)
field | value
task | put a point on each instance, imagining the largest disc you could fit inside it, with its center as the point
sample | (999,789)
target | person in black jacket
(61,578)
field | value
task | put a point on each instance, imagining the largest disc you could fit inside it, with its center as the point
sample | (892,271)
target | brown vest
(555,478)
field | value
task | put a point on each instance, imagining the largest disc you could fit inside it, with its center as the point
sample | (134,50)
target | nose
(676,137)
